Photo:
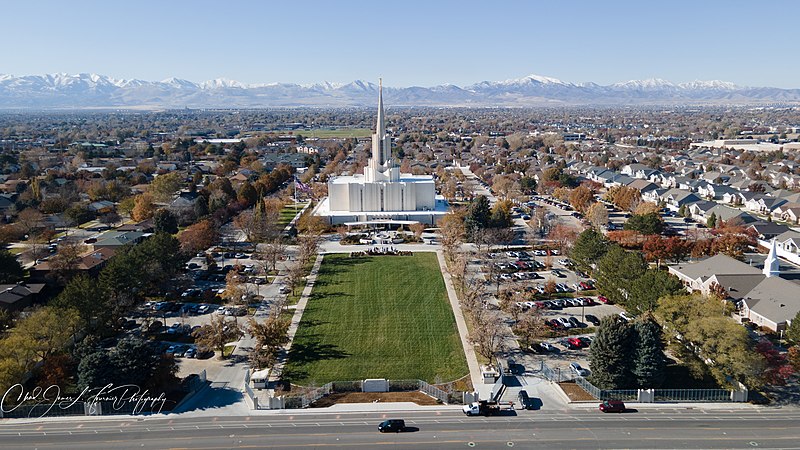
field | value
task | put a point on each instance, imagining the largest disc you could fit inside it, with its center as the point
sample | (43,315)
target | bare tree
(532,327)
(295,275)
(487,335)
(271,335)
(309,244)
(272,252)
(216,334)
(417,229)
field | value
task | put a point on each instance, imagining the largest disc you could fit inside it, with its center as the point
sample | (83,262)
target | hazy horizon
(414,44)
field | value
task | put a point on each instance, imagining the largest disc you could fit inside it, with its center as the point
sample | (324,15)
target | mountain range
(64,91)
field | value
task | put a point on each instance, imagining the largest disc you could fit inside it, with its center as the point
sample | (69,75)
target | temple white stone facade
(381,194)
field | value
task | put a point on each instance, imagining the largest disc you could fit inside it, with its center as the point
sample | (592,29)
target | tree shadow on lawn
(302,354)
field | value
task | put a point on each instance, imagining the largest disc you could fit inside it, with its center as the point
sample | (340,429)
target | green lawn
(377,317)
(288,212)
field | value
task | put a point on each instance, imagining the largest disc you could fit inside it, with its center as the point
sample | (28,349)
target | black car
(593,319)
(392,425)
(524,399)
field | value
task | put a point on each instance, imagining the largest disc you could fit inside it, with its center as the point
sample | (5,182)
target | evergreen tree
(165,221)
(478,215)
(83,294)
(96,370)
(590,246)
(616,272)
(793,332)
(10,269)
(646,224)
(653,284)
(610,354)
(247,194)
(649,365)
(712,221)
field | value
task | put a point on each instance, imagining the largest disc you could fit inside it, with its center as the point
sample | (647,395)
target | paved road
(661,428)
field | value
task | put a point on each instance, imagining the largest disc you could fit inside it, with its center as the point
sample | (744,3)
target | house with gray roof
(16,297)
(761,295)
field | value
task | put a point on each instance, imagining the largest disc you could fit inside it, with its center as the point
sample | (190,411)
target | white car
(564,321)
(578,370)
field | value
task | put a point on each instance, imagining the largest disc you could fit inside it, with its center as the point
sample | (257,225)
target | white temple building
(382,195)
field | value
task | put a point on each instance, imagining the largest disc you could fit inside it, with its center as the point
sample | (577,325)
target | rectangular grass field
(377,317)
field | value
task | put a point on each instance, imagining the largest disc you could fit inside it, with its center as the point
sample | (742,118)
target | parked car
(574,343)
(392,426)
(612,406)
(547,347)
(565,322)
(524,399)
(578,370)
(592,319)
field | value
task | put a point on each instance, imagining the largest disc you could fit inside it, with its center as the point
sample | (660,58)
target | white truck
(482,408)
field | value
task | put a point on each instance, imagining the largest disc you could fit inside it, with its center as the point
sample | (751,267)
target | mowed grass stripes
(377,317)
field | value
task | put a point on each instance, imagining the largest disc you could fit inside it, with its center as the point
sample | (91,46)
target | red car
(612,406)
(575,342)
(602,299)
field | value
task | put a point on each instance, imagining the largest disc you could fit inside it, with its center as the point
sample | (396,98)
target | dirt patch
(375,397)
(575,392)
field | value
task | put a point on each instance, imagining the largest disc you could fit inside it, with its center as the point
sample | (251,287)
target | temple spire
(772,266)
(381,125)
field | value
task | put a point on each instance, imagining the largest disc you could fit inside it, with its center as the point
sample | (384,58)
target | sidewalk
(463,333)
(275,375)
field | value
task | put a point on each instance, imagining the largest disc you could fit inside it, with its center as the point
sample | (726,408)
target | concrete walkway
(463,333)
(298,315)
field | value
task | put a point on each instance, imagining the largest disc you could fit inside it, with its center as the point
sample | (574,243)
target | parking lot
(571,310)
(172,318)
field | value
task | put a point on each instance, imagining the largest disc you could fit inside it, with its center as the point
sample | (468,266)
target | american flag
(302,186)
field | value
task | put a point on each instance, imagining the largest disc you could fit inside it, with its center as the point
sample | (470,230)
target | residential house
(643,185)
(89,263)
(101,207)
(16,297)
(675,198)
(765,231)
(715,177)
(715,191)
(726,214)
(791,213)
(116,239)
(763,297)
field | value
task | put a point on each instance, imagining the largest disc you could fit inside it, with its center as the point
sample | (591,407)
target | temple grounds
(377,317)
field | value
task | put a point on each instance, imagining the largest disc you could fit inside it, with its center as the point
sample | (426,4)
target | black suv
(392,425)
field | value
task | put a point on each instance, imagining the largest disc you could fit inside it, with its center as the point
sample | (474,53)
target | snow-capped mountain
(88,90)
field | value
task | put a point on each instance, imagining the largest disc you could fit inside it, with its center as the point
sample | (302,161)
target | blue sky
(421,43)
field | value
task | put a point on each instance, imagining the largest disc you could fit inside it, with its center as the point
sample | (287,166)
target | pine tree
(589,247)
(478,215)
(712,221)
(610,354)
(649,364)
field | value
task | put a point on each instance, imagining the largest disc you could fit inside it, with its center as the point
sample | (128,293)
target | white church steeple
(772,267)
(380,166)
